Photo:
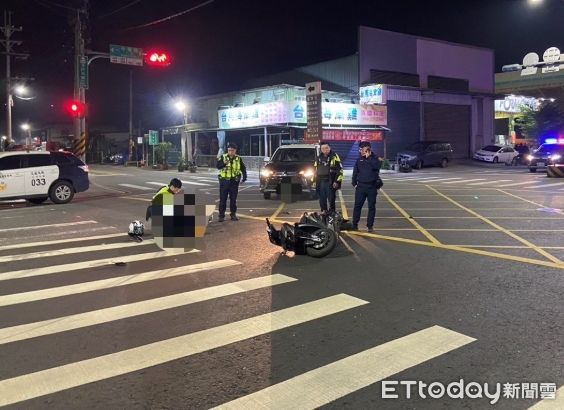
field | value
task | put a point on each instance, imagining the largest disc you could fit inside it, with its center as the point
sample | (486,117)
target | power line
(120,9)
(53,4)
(152,23)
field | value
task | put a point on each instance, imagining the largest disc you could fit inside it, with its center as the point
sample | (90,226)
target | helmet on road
(136,228)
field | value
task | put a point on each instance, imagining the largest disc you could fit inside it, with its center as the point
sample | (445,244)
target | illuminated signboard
(513,104)
(284,112)
(373,94)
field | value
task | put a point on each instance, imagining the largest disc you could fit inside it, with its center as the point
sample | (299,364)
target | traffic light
(158,58)
(76,109)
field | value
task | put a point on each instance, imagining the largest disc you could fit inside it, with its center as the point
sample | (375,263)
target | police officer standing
(366,179)
(231,169)
(328,176)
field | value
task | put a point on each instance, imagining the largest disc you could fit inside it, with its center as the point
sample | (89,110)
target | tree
(162,152)
(547,120)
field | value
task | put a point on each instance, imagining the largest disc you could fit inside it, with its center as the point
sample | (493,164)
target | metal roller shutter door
(445,122)
(403,120)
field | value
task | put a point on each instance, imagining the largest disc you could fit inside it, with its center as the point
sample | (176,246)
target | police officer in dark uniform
(366,179)
(232,170)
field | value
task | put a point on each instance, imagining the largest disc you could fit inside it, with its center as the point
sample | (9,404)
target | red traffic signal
(158,58)
(76,109)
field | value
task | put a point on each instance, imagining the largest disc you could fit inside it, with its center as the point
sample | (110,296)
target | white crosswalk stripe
(70,251)
(62,324)
(143,188)
(36,227)
(160,184)
(552,185)
(333,381)
(75,374)
(59,241)
(518,184)
(49,293)
(48,270)
(311,389)
(465,181)
(490,182)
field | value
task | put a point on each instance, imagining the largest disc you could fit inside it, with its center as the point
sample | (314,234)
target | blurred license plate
(540,164)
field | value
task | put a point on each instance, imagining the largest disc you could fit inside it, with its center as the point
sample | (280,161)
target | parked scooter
(315,234)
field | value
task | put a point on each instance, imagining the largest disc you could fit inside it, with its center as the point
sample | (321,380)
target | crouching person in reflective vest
(174,187)
(231,171)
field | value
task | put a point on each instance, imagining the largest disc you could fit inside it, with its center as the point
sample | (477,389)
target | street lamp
(20,90)
(181,106)
(27,127)
(534,2)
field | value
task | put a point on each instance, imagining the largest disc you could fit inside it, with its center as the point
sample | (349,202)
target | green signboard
(83,72)
(153,137)
(126,55)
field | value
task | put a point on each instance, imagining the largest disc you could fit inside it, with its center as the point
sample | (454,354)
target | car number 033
(38,181)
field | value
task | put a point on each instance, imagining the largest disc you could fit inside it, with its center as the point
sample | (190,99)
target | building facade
(434,90)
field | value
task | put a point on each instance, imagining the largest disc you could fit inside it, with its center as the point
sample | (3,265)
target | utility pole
(79,92)
(131,116)
(7,42)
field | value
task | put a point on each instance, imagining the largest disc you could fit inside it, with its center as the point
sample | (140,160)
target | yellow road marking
(343,205)
(465,250)
(278,210)
(411,220)
(522,199)
(493,246)
(513,258)
(501,228)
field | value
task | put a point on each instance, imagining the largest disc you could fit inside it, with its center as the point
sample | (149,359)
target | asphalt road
(462,279)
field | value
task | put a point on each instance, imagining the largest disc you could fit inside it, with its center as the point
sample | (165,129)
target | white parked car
(496,153)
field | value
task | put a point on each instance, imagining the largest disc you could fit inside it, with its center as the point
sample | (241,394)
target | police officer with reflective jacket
(366,180)
(232,170)
(328,176)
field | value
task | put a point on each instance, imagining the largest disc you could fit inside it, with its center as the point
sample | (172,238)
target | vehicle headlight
(530,157)
(266,173)
(556,157)
(308,173)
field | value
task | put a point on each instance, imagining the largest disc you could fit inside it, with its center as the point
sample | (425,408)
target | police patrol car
(37,176)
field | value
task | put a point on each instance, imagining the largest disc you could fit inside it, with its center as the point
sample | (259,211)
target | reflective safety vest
(336,173)
(232,168)
(163,190)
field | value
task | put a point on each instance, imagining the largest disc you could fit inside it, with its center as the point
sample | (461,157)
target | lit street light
(27,127)
(534,2)
(21,90)
(182,106)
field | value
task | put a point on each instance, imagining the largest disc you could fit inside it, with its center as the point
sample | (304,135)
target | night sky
(220,45)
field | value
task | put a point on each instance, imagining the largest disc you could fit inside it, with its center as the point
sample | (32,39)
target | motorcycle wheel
(326,247)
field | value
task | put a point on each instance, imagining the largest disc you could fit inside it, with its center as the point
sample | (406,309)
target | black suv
(546,154)
(425,153)
(290,164)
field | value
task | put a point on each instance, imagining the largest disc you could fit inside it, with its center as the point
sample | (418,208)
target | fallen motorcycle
(315,234)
